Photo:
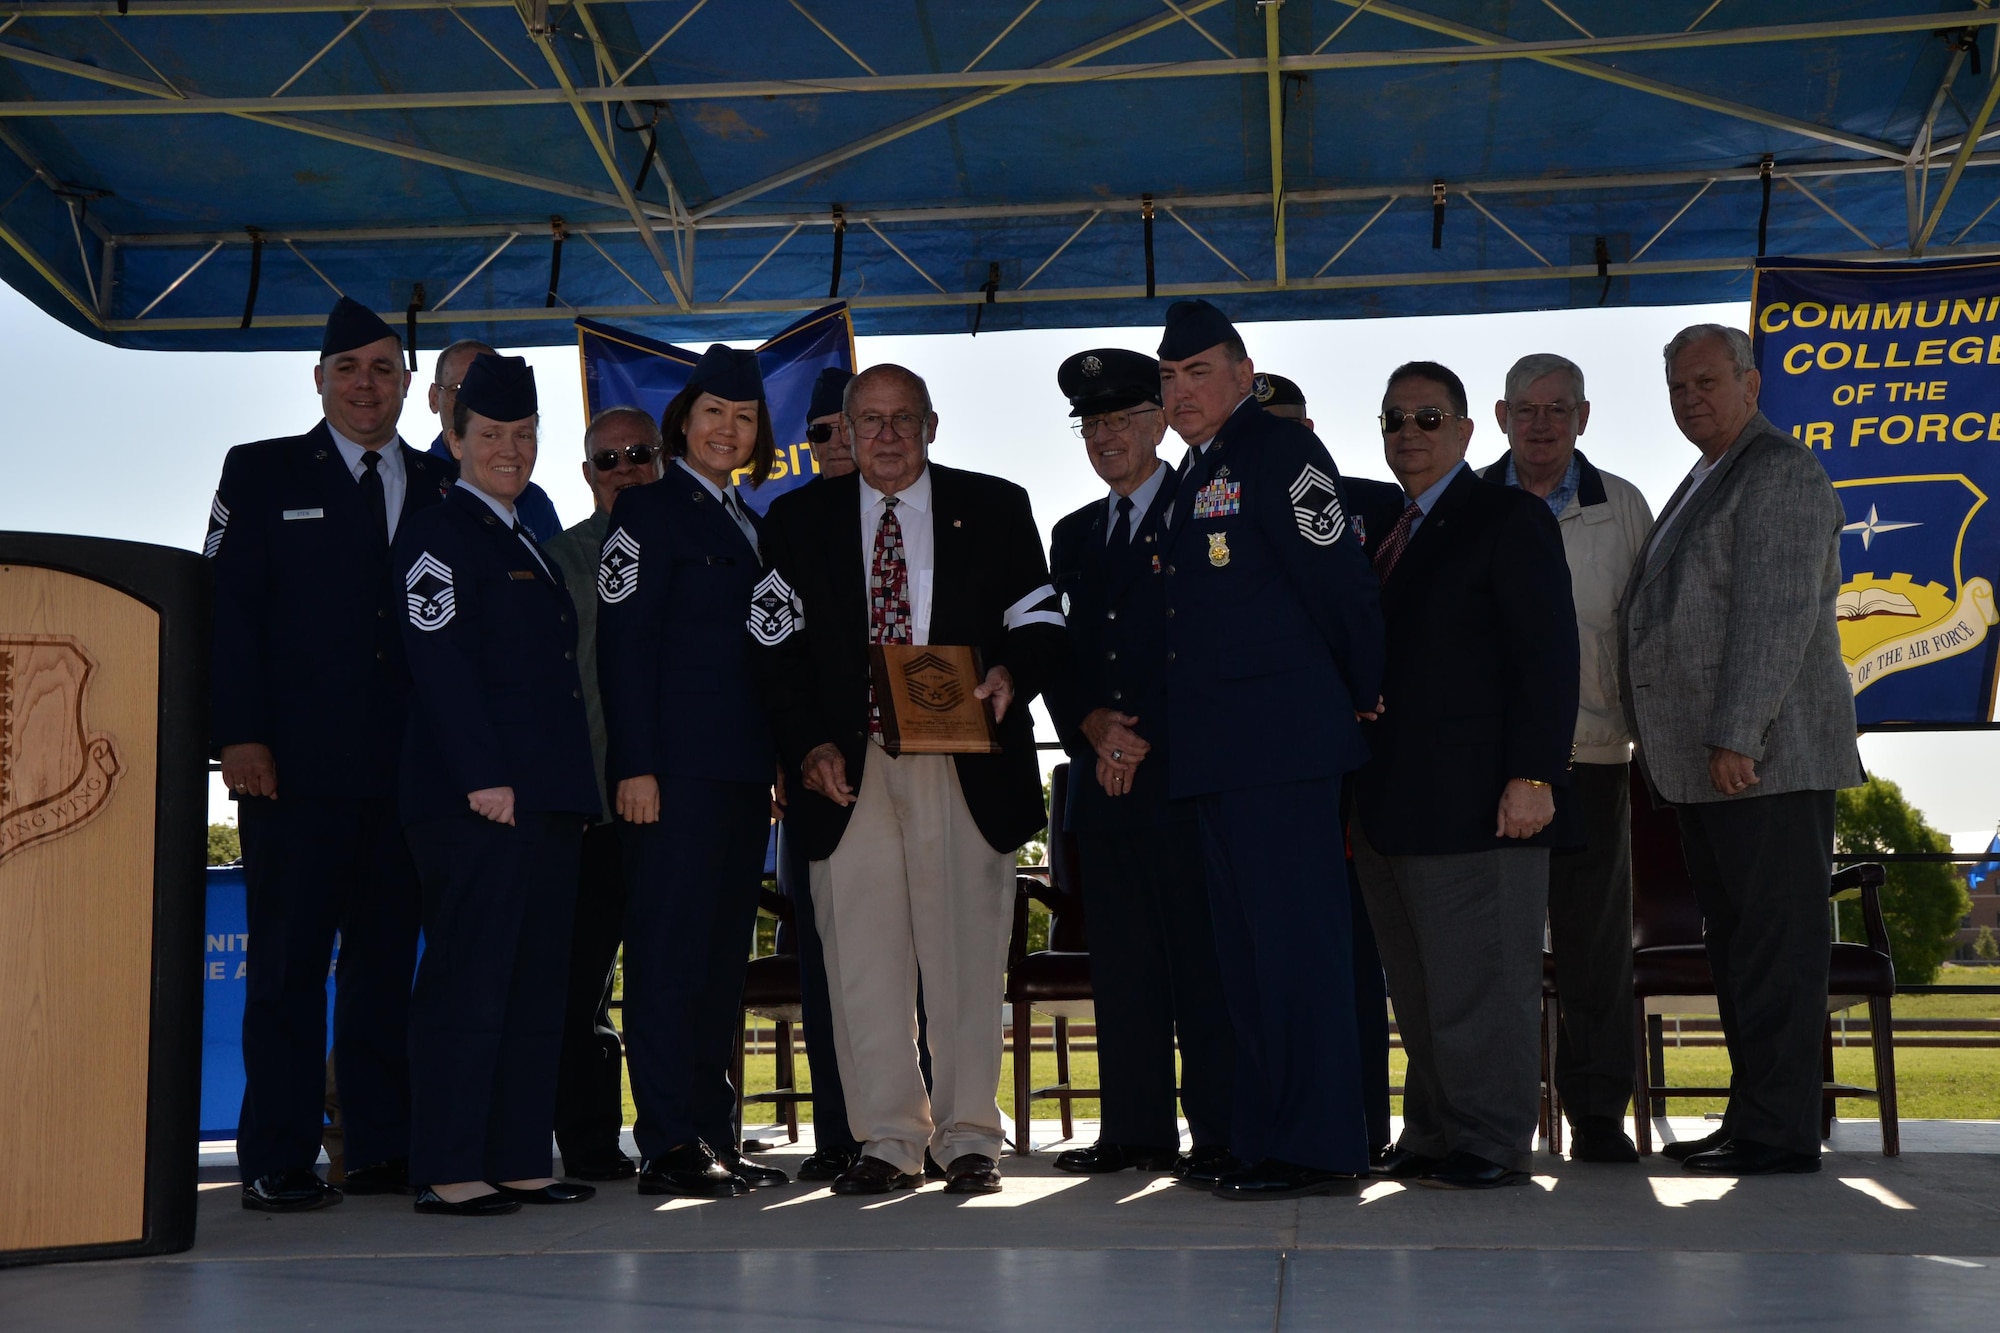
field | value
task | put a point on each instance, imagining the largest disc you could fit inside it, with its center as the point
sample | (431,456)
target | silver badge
(1091,367)
(428,590)
(618,571)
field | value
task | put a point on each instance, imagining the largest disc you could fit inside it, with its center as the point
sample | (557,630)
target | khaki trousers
(914,888)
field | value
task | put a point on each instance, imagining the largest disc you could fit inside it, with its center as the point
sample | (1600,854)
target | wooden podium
(103,801)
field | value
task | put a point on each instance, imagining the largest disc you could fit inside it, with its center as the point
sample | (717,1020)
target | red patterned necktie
(888,597)
(1398,538)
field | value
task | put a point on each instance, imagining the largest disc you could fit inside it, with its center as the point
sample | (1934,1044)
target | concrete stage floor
(1909,1243)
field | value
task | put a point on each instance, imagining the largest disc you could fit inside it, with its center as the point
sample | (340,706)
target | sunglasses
(819,432)
(638,455)
(1428,419)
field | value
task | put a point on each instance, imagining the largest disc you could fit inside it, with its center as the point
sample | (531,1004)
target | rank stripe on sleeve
(1316,507)
(776,613)
(429,593)
(218,523)
(618,570)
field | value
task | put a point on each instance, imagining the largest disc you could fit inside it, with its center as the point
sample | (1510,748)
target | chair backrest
(1066,922)
(1664,910)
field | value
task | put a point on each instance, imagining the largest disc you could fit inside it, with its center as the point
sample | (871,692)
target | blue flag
(623,369)
(1890,374)
(1978,874)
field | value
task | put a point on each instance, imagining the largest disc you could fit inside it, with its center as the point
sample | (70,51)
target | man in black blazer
(912,856)
(1153,972)
(1451,828)
(307,718)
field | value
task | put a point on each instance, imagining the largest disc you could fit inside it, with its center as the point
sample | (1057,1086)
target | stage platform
(1909,1243)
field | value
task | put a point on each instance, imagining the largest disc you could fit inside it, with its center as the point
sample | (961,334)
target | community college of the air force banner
(626,369)
(1890,374)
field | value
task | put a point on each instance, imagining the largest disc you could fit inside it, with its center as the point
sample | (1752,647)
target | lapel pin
(956,524)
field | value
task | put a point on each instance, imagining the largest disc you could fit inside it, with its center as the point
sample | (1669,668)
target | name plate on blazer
(925,694)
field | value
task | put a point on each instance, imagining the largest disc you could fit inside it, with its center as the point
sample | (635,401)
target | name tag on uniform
(525,575)
(1218,499)
(305,513)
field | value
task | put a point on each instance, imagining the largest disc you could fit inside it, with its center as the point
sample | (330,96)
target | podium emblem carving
(55,776)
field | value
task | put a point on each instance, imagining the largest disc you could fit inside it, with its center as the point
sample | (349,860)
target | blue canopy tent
(206,174)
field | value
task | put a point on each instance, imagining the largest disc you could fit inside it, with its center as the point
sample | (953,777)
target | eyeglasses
(819,432)
(1428,419)
(1525,413)
(1115,422)
(871,424)
(638,455)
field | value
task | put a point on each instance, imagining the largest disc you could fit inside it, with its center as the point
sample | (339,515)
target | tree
(1986,948)
(225,844)
(1923,903)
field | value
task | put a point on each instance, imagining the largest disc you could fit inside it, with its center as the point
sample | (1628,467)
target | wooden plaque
(925,693)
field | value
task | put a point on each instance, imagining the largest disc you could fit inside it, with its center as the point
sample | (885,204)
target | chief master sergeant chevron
(1274,640)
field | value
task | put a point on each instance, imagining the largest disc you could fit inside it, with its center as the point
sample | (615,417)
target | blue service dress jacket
(673,651)
(1481,679)
(307,659)
(1115,603)
(490,635)
(1274,625)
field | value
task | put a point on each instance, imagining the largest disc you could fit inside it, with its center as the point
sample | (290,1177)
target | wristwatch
(1532,782)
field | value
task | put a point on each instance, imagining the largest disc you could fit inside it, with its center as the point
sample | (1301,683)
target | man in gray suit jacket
(1745,722)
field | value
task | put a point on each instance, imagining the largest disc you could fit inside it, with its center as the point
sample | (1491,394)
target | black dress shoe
(562,1191)
(1468,1171)
(617,1167)
(972,1173)
(872,1175)
(1687,1148)
(298,1191)
(828,1163)
(1273,1179)
(692,1170)
(1203,1167)
(1101,1157)
(1601,1139)
(486,1205)
(1402,1164)
(391,1177)
(755,1176)
(1741,1157)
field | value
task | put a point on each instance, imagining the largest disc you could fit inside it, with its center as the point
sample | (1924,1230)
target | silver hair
(1737,339)
(1533,367)
(885,368)
(462,345)
(623,411)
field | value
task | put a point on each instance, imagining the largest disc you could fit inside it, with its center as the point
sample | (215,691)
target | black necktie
(1121,529)
(373,497)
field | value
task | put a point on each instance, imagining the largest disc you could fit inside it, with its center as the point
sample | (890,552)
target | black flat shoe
(562,1191)
(620,1167)
(1687,1148)
(390,1177)
(1741,1157)
(828,1163)
(1468,1171)
(298,1191)
(872,1175)
(1100,1158)
(755,1176)
(1204,1167)
(1601,1140)
(692,1170)
(486,1205)
(1402,1164)
(972,1173)
(1273,1179)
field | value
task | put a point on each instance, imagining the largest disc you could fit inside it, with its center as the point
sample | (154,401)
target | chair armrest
(1865,882)
(1025,887)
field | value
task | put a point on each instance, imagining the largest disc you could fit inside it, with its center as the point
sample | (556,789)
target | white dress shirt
(731,502)
(1696,478)
(1142,500)
(507,516)
(913,515)
(390,468)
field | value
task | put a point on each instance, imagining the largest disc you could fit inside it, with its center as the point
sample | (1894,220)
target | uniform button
(1111,615)
(569,656)
(1111,656)
(1117,694)
(1170,613)
(1170,569)
(381,613)
(1170,654)
(565,617)
(576,694)
(381,656)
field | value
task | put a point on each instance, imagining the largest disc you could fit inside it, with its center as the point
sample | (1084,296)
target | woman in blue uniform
(692,761)
(496,786)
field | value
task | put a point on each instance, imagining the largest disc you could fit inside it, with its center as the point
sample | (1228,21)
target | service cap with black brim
(1108,379)
(499,388)
(1192,328)
(728,374)
(827,391)
(1276,391)
(352,325)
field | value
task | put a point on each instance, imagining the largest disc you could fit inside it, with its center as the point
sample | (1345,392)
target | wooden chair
(772,990)
(1670,972)
(1054,981)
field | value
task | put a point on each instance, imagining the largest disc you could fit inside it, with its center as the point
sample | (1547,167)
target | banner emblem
(1923,610)
(54,775)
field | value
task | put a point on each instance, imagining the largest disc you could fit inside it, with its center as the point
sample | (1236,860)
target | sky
(165,420)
